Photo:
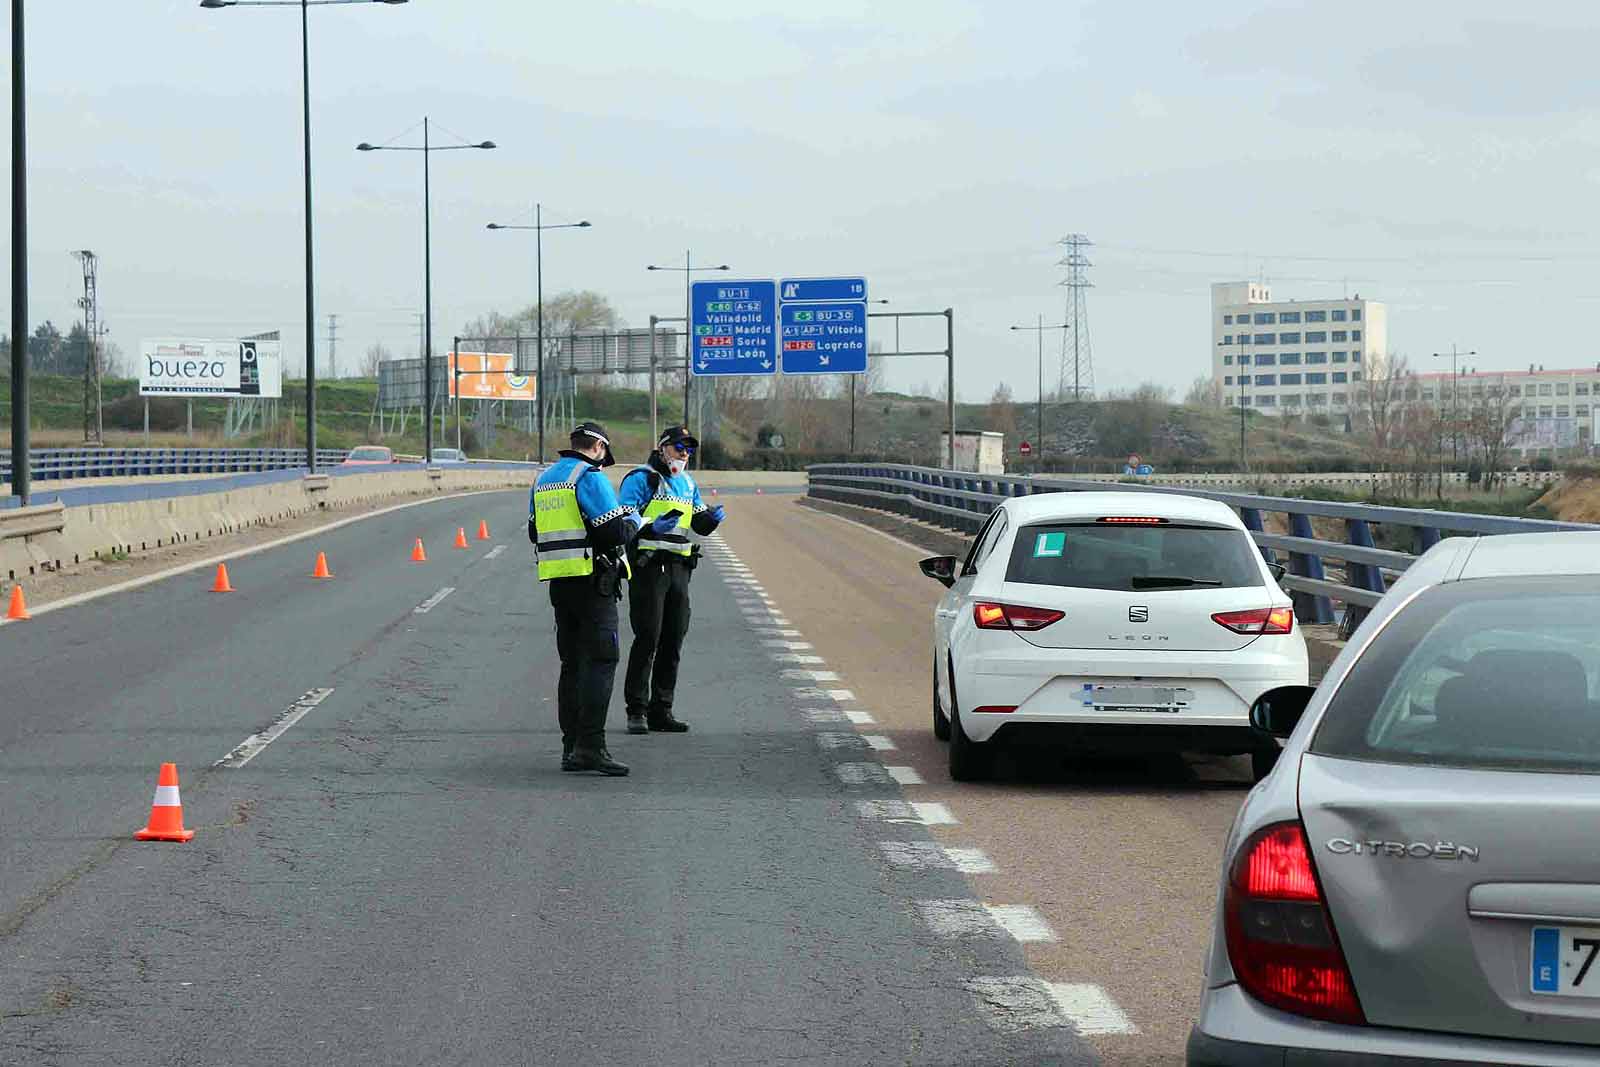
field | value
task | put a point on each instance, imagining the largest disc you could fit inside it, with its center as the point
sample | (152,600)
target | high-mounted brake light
(1012,617)
(1281,940)
(1257,620)
(1131,520)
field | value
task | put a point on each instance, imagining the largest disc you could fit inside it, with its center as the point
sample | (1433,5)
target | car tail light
(1012,617)
(996,709)
(1257,620)
(1281,940)
(1132,520)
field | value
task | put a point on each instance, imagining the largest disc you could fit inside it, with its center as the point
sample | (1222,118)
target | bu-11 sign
(734,328)
(825,338)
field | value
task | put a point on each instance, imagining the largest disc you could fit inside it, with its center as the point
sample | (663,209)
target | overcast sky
(1439,156)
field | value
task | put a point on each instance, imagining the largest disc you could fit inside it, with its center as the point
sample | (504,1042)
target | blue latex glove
(663,525)
(719,513)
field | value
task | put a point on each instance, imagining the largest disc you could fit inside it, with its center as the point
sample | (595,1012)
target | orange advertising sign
(488,376)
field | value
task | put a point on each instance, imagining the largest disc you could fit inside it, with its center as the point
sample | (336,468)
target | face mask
(676,466)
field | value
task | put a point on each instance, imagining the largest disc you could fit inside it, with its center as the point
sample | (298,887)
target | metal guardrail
(962,501)
(65,464)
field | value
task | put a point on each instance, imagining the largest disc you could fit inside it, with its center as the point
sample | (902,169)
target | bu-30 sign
(824,325)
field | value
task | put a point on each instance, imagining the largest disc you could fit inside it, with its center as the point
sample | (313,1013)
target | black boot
(636,724)
(598,759)
(665,723)
(567,763)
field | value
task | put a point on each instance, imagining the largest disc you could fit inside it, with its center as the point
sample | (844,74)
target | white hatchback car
(1129,622)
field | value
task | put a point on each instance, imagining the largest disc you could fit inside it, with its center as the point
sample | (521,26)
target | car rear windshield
(370,453)
(1103,556)
(1489,673)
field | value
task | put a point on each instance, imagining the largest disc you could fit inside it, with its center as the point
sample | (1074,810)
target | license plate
(1136,697)
(1566,961)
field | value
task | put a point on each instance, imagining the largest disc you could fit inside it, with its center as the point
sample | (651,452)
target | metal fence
(962,501)
(61,464)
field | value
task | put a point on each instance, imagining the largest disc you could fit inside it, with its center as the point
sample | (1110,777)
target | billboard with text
(489,376)
(211,368)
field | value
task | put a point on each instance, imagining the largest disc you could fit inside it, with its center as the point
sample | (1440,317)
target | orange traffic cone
(461,537)
(166,811)
(221,585)
(18,611)
(417,554)
(483,530)
(322,567)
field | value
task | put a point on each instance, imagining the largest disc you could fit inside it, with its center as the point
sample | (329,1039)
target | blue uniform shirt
(596,499)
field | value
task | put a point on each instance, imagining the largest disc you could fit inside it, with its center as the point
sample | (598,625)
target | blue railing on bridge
(65,464)
(962,501)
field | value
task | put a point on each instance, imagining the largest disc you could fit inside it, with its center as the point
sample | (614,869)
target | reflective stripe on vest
(561,535)
(664,501)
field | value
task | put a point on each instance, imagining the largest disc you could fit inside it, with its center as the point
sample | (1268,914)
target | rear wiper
(1153,581)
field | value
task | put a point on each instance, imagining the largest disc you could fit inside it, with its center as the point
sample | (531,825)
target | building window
(1561,389)
(1516,390)
(1288,316)
(1316,378)
(1546,390)
(1317,400)
(1266,338)
(1264,401)
(1583,411)
(1266,359)
(1546,411)
(1427,394)
(1227,320)
(1227,379)
(1339,335)
(1316,337)
(1355,376)
(1290,400)
(1316,357)
(1266,379)
(1289,379)
(1582,388)
(1265,318)
(1289,359)
(1227,361)
(1355,314)
(1229,401)
(1244,361)
(1338,399)
(1340,377)
(1563,412)
(1355,335)
(1316,316)
(1338,314)
(1340,357)
(1288,338)
(1355,357)
(1244,401)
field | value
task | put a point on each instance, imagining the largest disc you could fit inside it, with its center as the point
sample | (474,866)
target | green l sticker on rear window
(1050,544)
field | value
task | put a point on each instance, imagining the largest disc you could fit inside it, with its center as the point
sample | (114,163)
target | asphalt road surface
(403,875)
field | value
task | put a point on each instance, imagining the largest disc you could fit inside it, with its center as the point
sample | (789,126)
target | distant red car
(367,455)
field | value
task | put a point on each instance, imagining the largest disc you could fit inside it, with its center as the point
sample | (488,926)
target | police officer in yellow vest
(658,595)
(582,532)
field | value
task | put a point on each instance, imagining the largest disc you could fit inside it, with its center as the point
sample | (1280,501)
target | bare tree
(375,354)
(1382,399)
(564,313)
(1204,392)
(1488,427)
(1001,415)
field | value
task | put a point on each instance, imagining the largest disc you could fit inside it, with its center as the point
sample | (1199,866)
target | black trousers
(658,610)
(586,640)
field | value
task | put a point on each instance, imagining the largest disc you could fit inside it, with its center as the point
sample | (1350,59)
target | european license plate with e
(1136,697)
(1566,961)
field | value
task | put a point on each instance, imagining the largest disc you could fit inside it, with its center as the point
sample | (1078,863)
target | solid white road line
(930,855)
(250,746)
(905,811)
(495,552)
(433,601)
(878,742)
(905,775)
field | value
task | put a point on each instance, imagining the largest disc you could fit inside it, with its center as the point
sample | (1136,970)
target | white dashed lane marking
(1015,1004)
(971,918)
(810,676)
(906,811)
(932,856)
(831,740)
(878,742)
(795,657)
(433,601)
(905,775)
(860,718)
(791,646)
(838,696)
(251,746)
(495,552)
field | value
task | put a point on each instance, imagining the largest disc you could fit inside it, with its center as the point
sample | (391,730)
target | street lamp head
(391,1)
(493,226)
(365,147)
(486,144)
(723,267)
(216,3)
(584,225)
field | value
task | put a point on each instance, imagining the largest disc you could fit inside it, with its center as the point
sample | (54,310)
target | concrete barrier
(46,538)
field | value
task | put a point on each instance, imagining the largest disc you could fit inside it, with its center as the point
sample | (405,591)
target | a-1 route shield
(733,327)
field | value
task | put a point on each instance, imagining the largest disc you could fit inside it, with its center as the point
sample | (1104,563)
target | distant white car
(449,455)
(1109,622)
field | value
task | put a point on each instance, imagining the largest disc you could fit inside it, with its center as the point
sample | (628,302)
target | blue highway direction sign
(825,289)
(734,327)
(825,338)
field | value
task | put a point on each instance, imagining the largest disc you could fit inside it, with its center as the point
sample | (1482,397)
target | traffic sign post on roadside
(733,328)
(1025,448)
(824,325)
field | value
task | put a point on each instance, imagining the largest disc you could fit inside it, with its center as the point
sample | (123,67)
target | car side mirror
(1278,711)
(940,568)
(1277,570)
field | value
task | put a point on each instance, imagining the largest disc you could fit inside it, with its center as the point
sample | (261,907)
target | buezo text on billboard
(210,368)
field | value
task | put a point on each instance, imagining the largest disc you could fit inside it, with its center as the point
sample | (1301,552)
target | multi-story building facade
(1293,356)
(1556,411)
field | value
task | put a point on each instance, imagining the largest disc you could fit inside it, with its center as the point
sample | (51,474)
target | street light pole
(1039,402)
(1455,412)
(427,149)
(689,270)
(305,83)
(21,472)
(538,229)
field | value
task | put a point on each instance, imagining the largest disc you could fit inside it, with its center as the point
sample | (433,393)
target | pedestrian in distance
(582,532)
(662,491)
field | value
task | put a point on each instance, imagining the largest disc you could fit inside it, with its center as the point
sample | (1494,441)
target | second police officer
(582,532)
(658,593)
